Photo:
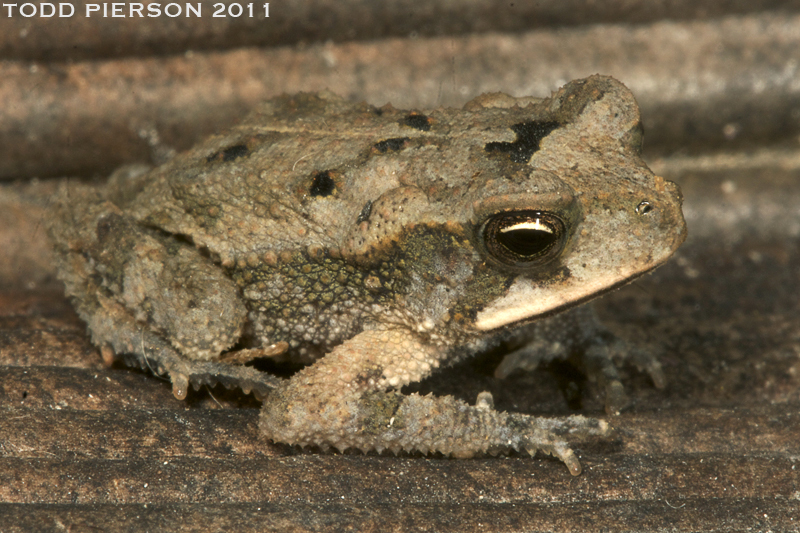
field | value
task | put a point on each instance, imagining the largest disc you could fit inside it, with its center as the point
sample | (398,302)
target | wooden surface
(702,84)
(92,448)
(89,448)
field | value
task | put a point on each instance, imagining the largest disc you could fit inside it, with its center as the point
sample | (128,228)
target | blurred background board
(84,447)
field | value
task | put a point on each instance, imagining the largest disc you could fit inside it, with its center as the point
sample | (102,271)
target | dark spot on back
(229,154)
(529,134)
(417,121)
(391,145)
(365,213)
(322,184)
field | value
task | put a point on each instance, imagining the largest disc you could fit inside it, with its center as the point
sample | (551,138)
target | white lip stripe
(524,300)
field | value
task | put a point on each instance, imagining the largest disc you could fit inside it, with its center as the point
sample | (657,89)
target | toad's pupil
(526,238)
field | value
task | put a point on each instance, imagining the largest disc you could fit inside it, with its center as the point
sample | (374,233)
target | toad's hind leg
(115,330)
(147,294)
(346,400)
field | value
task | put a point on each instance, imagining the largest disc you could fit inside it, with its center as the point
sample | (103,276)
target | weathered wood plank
(759,514)
(729,85)
(377,481)
(64,432)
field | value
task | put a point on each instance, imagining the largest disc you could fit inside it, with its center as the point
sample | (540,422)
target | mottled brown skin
(377,245)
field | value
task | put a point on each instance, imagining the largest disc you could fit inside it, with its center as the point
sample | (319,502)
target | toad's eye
(522,239)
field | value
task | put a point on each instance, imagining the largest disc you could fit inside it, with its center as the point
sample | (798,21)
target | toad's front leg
(348,399)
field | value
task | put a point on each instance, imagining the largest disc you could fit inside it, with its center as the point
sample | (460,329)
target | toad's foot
(344,401)
(580,333)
